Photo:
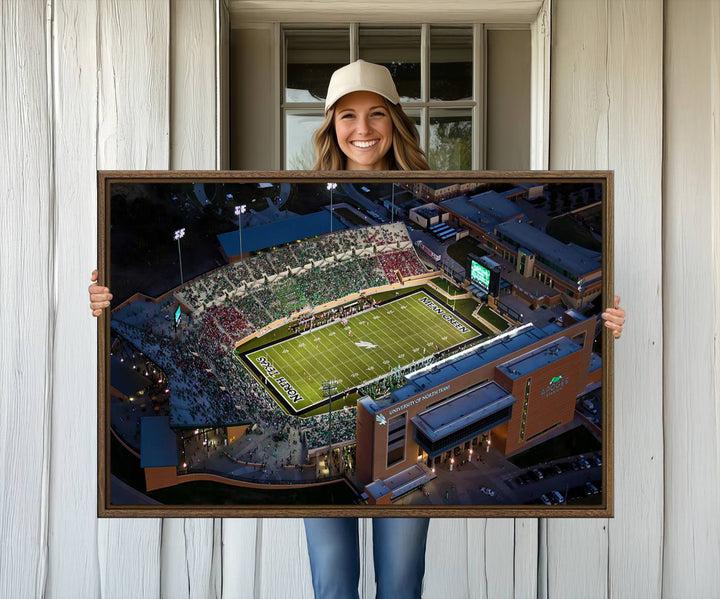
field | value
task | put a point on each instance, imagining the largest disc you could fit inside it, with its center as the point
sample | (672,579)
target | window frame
(536,16)
(475,106)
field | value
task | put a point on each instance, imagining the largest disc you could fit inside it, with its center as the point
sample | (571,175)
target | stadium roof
(514,191)
(158,443)
(400,483)
(278,232)
(125,379)
(538,358)
(486,209)
(461,205)
(463,410)
(570,257)
(490,351)
(496,204)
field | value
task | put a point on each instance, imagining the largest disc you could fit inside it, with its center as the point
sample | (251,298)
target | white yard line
(398,335)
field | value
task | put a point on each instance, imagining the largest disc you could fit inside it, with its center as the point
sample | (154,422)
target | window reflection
(310,58)
(299,149)
(398,50)
(451,60)
(450,145)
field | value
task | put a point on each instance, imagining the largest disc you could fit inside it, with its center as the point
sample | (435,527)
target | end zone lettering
(269,368)
(456,323)
(281,381)
(432,305)
(448,317)
(292,394)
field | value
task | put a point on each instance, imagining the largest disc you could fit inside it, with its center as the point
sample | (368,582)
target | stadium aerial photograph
(309,343)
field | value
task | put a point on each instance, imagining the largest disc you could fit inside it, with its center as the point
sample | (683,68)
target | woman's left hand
(615,318)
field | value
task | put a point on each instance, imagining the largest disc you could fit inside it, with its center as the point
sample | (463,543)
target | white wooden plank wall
(691,300)
(606,112)
(635,535)
(117,84)
(27,317)
(576,555)
(189,565)
(133,131)
(73,555)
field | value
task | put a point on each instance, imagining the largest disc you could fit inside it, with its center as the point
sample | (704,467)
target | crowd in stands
(404,262)
(232,279)
(208,384)
(343,428)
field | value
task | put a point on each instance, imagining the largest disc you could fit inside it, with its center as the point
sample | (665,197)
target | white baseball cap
(361,76)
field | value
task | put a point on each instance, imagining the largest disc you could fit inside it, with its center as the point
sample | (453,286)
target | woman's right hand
(99,296)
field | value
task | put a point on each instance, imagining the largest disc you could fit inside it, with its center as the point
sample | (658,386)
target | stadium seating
(233,301)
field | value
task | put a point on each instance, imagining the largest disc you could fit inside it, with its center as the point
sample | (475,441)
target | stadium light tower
(239,211)
(330,187)
(328,389)
(179,234)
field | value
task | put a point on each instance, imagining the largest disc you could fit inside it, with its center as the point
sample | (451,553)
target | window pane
(311,57)
(450,140)
(451,55)
(415,117)
(399,50)
(299,150)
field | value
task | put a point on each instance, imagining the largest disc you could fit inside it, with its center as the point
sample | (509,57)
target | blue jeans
(398,552)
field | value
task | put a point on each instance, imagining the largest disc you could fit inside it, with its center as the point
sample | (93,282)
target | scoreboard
(178,313)
(485,273)
(480,274)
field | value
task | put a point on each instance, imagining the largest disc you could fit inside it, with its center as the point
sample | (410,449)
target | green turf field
(390,335)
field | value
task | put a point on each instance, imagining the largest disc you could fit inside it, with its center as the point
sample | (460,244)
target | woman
(365,129)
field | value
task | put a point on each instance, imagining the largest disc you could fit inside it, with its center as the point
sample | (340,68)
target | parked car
(537,474)
(488,491)
(545,499)
(592,488)
(557,495)
(597,460)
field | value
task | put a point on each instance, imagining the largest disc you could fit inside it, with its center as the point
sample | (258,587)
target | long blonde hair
(405,154)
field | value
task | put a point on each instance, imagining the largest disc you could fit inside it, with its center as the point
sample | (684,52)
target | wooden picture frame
(481,378)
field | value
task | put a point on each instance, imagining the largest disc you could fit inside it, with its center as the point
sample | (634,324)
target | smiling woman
(365,128)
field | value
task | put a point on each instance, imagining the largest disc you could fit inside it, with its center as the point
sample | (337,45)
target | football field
(369,346)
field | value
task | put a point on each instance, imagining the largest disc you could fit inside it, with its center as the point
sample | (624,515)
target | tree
(450,145)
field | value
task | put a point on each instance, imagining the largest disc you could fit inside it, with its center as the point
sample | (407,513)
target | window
(396,439)
(436,70)
(478,93)
(523,420)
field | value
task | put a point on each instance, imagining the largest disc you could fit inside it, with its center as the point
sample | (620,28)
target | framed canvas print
(350,344)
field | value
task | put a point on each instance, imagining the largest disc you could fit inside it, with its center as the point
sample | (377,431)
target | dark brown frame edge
(603,510)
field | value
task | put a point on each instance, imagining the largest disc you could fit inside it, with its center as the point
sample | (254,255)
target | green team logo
(555,379)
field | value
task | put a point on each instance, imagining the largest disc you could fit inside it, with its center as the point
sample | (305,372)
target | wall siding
(691,323)
(635,87)
(133,131)
(577,550)
(27,314)
(189,565)
(606,99)
(73,559)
